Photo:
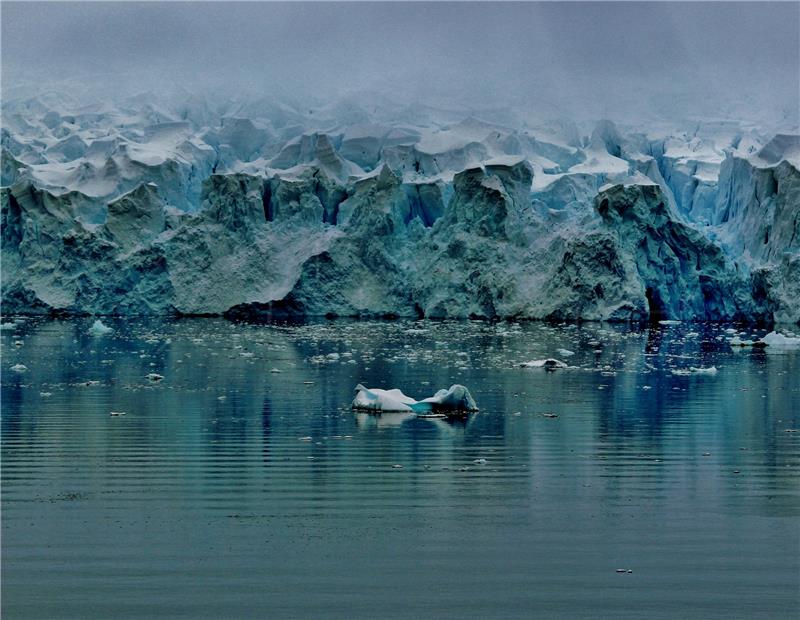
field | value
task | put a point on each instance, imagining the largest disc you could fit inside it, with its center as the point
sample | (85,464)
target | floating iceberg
(456,399)
(694,370)
(98,329)
(548,364)
(711,370)
(774,339)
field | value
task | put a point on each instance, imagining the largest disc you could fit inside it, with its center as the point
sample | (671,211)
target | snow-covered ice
(259,209)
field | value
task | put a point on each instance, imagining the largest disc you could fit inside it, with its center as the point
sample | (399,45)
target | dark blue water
(232,490)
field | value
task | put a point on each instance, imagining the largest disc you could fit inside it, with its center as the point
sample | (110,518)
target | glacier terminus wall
(260,209)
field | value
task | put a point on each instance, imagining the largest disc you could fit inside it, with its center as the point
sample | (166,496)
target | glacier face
(261,208)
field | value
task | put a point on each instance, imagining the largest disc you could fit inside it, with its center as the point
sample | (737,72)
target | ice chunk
(712,370)
(98,329)
(457,398)
(548,364)
(774,339)
(19,368)
(694,370)
(738,342)
(565,352)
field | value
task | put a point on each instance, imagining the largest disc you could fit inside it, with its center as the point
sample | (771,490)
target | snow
(455,399)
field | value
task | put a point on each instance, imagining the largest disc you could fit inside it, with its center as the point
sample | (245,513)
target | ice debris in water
(565,352)
(694,370)
(711,370)
(548,364)
(456,399)
(774,339)
(4,326)
(738,342)
(155,377)
(19,368)
(98,329)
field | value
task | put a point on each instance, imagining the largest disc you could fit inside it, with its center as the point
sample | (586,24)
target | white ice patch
(548,364)
(98,329)
(774,339)
(711,370)
(457,398)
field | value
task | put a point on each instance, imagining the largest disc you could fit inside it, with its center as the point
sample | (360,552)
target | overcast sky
(604,54)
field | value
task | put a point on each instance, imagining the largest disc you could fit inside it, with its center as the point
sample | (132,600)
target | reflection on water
(242,485)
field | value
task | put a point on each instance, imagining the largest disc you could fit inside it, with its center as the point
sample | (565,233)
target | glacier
(253,209)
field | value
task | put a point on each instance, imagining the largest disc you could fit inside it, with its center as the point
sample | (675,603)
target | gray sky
(603,55)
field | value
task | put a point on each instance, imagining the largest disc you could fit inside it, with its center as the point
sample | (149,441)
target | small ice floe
(98,329)
(738,342)
(669,322)
(548,364)
(155,377)
(565,352)
(456,399)
(275,371)
(711,370)
(45,394)
(774,339)
(694,370)
(19,368)
(5,326)
(115,414)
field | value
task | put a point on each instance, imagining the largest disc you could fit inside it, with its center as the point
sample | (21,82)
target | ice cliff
(261,208)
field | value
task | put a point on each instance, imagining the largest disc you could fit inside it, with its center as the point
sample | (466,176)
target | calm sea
(241,485)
